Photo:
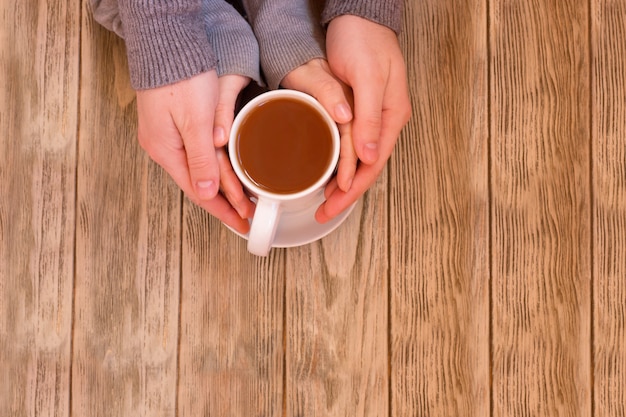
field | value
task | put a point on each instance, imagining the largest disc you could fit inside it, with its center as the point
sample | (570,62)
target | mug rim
(273,95)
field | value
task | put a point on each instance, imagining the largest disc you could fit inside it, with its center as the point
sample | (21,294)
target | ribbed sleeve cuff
(236,55)
(384,12)
(287,39)
(165,42)
(233,43)
(287,54)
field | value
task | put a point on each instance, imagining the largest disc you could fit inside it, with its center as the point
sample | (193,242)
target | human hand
(366,56)
(176,124)
(316,79)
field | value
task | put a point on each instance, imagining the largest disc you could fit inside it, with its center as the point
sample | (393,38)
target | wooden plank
(231,325)
(38,120)
(128,250)
(336,359)
(608,35)
(541,232)
(439,217)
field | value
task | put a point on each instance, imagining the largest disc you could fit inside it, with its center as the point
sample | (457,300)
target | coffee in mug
(284,145)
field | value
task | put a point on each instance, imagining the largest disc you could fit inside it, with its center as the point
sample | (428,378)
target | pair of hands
(184,127)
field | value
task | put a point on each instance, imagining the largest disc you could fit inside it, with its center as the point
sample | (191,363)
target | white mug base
(301,228)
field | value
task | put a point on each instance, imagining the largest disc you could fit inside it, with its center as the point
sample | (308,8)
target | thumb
(368,106)
(193,117)
(316,79)
(202,162)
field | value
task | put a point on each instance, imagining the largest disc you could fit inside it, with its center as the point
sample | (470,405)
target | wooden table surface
(483,275)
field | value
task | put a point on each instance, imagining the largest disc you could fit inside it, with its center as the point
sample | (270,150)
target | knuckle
(346,157)
(198,162)
(224,110)
(329,86)
(371,122)
(194,124)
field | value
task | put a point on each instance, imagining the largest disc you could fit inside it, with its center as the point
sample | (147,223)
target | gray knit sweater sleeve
(166,41)
(384,12)
(171,40)
(289,34)
(232,40)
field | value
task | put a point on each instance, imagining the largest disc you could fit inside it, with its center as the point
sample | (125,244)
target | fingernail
(371,152)
(343,112)
(206,189)
(219,136)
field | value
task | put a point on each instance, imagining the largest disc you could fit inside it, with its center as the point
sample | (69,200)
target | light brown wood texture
(540,208)
(336,320)
(231,324)
(484,274)
(128,249)
(38,124)
(439,226)
(608,156)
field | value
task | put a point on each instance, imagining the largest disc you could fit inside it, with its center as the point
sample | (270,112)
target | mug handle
(263,227)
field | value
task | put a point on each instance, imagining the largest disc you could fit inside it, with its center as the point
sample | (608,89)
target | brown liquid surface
(284,146)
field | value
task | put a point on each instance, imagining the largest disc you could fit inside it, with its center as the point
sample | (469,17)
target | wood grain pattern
(336,321)
(540,180)
(38,124)
(128,251)
(483,274)
(609,206)
(439,218)
(231,335)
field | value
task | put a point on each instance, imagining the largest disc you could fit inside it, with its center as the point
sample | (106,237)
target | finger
(316,79)
(230,86)
(330,187)
(221,208)
(368,105)
(330,93)
(202,162)
(232,188)
(192,108)
(338,200)
(395,114)
(396,103)
(347,158)
(163,143)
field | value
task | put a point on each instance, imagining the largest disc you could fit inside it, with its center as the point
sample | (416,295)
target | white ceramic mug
(271,206)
